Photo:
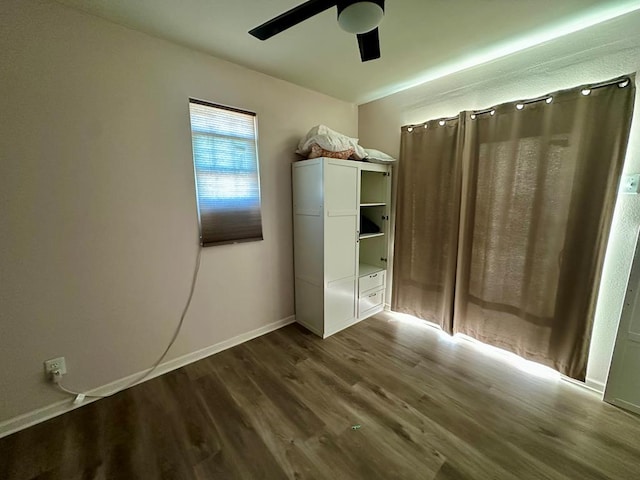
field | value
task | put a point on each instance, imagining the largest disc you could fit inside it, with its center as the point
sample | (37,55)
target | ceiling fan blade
(369,44)
(292,17)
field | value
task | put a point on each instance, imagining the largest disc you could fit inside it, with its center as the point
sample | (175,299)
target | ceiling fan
(361,17)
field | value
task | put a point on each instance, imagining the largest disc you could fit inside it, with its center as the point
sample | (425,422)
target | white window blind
(226,169)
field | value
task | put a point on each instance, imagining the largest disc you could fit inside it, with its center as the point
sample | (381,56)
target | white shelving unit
(340,243)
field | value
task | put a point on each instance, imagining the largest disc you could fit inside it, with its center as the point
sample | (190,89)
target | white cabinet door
(623,385)
(340,241)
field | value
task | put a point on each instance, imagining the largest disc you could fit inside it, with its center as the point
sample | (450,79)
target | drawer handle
(373,295)
(373,276)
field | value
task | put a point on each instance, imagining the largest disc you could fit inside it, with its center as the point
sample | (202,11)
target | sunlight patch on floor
(532,368)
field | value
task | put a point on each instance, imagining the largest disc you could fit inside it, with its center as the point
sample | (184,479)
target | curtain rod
(585,90)
(622,82)
(441,121)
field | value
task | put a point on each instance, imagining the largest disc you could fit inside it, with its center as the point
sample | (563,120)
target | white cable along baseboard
(58,408)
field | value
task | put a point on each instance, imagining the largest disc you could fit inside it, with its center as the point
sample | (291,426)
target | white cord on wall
(80,396)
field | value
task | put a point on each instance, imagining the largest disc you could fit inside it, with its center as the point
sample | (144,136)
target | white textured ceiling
(420,39)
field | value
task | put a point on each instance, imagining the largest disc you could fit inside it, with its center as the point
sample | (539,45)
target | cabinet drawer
(370,301)
(370,282)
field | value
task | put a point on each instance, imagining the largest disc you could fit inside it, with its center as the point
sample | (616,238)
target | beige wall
(98,233)
(599,53)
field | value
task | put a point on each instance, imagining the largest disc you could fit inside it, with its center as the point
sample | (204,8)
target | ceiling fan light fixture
(360,17)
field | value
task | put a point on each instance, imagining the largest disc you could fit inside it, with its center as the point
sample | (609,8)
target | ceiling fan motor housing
(360,16)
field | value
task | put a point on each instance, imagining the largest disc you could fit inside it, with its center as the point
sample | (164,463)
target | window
(225,162)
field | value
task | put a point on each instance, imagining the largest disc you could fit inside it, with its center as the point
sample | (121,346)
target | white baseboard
(58,408)
(589,385)
(595,385)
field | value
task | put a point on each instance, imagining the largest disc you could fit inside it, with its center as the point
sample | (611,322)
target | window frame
(203,241)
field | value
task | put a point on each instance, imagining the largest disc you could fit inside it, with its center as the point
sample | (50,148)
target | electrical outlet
(630,183)
(55,364)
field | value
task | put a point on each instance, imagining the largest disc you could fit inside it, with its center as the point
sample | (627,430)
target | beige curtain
(427,211)
(539,186)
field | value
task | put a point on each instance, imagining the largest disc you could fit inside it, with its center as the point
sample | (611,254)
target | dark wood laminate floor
(283,406)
